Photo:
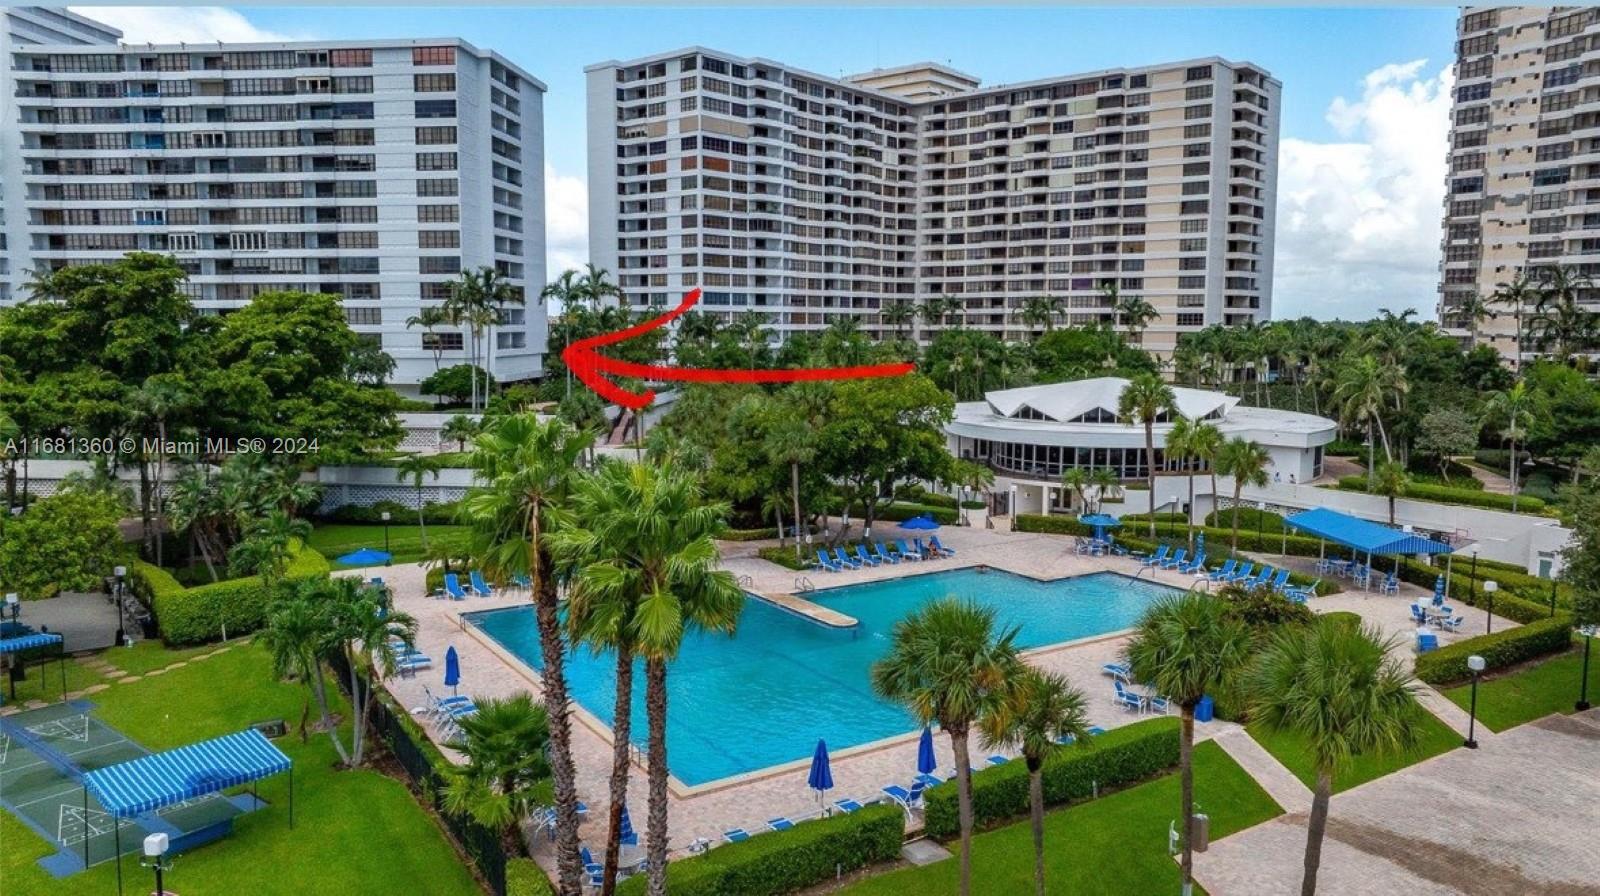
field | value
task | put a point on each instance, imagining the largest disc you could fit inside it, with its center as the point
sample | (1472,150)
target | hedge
(434,514)
(748,534)
(1440,494)
(204,613)
(784,557)
(1509,602)
(524,877)
(807,854)
(1448,665)
(1249,519)
(904,510)
(1000,793)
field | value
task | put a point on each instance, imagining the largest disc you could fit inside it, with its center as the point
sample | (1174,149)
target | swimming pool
(764,696)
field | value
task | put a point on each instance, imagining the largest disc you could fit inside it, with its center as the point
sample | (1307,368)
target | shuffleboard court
(43,755)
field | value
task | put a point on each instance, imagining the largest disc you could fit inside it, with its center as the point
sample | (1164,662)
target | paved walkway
(1492,482)
(1279,783)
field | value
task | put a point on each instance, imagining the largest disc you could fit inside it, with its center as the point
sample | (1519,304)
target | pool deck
(749,800)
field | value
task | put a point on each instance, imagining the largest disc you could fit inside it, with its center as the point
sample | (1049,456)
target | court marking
(74,728)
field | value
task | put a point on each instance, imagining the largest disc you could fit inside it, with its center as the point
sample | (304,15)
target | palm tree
(1510,412)
(645,539)
(265,550)
(1041,311)
(1247,463)
(1187,646)
(527,468)
(1146,399)
(1040,712)
(791,442)
(499,784)
(1559,321)
(1181,449)
(362,630)
(476,300)
(1076,479)
(1519,293)
(1474,310)
(1134,313)
(459,429)
(295,634)
(1391,481)
(430,319)
(564,289)
(899,315)
(1206,444)
(1363,390)
(1341,690)
(1106,485)
(595,286)
(155,402)
(948,664)
(415,467)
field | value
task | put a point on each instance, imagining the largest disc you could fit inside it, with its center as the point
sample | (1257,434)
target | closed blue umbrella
(821,777)
(364,557)
(926,761)
(452,669)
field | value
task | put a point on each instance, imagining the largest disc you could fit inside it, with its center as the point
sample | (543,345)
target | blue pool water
(764,696)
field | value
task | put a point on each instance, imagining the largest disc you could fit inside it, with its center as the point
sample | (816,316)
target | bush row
(905,510)
(785,861)
(1118,757)
(784,556)
(1250,519)
(749,534)
(1441,494)
(1510,602)
(205,613)
(1499,650)
(432,513)
(524,877)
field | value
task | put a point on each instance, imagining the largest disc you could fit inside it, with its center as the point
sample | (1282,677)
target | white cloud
(181,24)
(566,222)
(1359,220)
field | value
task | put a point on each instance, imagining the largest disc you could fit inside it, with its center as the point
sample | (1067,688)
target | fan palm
(1146,399)
(1247,463)
(459,429)
(416,467)
(1340,688)
(1510,412)
(1185,647)
(1041,710)
(948,663)
(498,786)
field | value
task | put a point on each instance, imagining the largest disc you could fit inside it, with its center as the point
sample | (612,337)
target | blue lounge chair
(923,550)
(1453,623)
(929,779)
(846,805)
(1279,580)
(1391,585)
(866,558)
(905,551)
(780,823)
(844,559)
(883,556)
(997,759)
(826,563)
(1159,704)
(1126,698)
(736,835)
(1241,574)
(452,587)
(1222,573)
(933,542)
(1198,564)
(1176,560)
(1095,730)
(591,868)
(907,799)
(479,585)
(414,662)
(1302,593)
(1156,559)
(1427,641)
(1260,579)
(1118,670)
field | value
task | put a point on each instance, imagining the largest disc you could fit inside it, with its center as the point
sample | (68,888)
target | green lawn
(144,656)
(405,541)
(44,681)
(355,831)
(1434,737)
(1532,691)
(1116,844)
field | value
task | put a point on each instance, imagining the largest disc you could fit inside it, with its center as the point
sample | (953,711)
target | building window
(435,108)
(434,83)
(438,214)
(439,239)
(367,317)
(433,55)
(1197,73)
(440,264)
(436,161)
(442,342)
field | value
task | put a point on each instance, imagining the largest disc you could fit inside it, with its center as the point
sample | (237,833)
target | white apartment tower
(373,170)
(1523,192)
(807,198)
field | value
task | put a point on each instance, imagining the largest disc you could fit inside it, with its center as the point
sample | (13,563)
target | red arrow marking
(591,367)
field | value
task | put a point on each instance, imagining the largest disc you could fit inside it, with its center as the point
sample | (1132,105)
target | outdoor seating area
(1139,699)
(877,553)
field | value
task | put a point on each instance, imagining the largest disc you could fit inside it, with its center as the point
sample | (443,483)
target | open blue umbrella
(364,557)
(926,761)
(452,669)
(821,777)
(1101,522)
(924,523)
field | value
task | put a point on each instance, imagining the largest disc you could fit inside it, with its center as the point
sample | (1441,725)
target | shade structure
(821,777)
(452,668)
(1364,535)
(921,523)
(364,557)
(28,642)
(132,788)
(1101,522)
(926,761)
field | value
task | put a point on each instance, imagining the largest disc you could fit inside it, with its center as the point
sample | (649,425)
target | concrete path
(1279,783)
(1492,482)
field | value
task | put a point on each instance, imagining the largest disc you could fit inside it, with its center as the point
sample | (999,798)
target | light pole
(1261,511)
(1588,632)
(13,606)
(1489,588)
(155,857)
(386,559)
(120,572)
(1475,663)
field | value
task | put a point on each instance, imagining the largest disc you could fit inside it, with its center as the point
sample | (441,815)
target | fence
(420,761)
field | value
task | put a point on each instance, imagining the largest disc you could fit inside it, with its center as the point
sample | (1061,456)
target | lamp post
(1489,588)
(1261,511)
(155,857)
(1588,632)
(1475,663)
(1472,580)
(385,516)
(120,572)
(13,606)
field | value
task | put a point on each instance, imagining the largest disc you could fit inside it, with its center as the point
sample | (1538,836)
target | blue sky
(1360,120)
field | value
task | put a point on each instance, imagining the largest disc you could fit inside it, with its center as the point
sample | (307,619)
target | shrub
(1421,491)
(1262,609)
(1177,518)
(1513,601)
(786,861)
(902,510)
(784,556)
(1342,448)
(749,534)
(434,513)
(1054,524)
(1448,665)
(1000,793)
(934,500)
(207,612)
(524,877)
(67,541)
(1249,519)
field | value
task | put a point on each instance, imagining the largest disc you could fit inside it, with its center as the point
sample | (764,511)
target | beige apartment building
(807,198)
(1523,192)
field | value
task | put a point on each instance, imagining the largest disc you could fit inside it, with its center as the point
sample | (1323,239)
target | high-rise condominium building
(1523,193)
(374,170)
(808,198)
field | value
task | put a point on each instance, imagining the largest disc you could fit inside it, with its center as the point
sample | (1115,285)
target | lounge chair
(479,585)
(780,823)
(439,707)
(1240,574)
(1279,580)
(412,662)
(883,556)
(905,551)
(933,542)
(845,560)
(1095,730)
(1118,670)
(866,558)
(1156,559)
(1126,698)
(824,561)
(1197,565)
(1453,624)
(1260,579)
(846,805)
(907,799)
(1159,704)
(736,835)
(1427,641)
(924,550)
(1221,574)
(1391,585)
(1419,615)
(1302,593)
(997,759)
(929,779)
(452,587)
(1176,560)
(591,868)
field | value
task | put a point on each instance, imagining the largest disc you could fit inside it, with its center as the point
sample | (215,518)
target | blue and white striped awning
(28,642)
(132,788)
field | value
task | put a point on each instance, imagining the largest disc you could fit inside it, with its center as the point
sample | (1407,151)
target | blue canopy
(132,788)
(1364,535)
(1099,520)
(452,668)
(364,557)
(926,761)
(28,642)
(920,522)
(821,777)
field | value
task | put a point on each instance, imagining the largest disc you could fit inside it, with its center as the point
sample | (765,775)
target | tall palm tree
(1041,311)
(1135,314)
(1519,293)
(1474,310)
(1076,480)
(1147,399)
(899,315)
(1187,646)
(1206,443)
(1510,412)
(1106,485)
(1391,481)
(1040,711)
(158,400)
(415,467)
(1181,449)
(1363,391)
(1563,326)
(505,768)
(430,319)
(295,635)
(1340,688)
(595,286)
(363,634)
(564,289)
(476,301)
(1247,463)
(645,539)
(527,468)
(790,442)
(948,664)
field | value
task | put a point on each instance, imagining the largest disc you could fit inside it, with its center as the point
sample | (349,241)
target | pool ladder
(803,585)
(745,581)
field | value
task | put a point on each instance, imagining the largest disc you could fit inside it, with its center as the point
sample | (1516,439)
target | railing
(745,581)
(803,585)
